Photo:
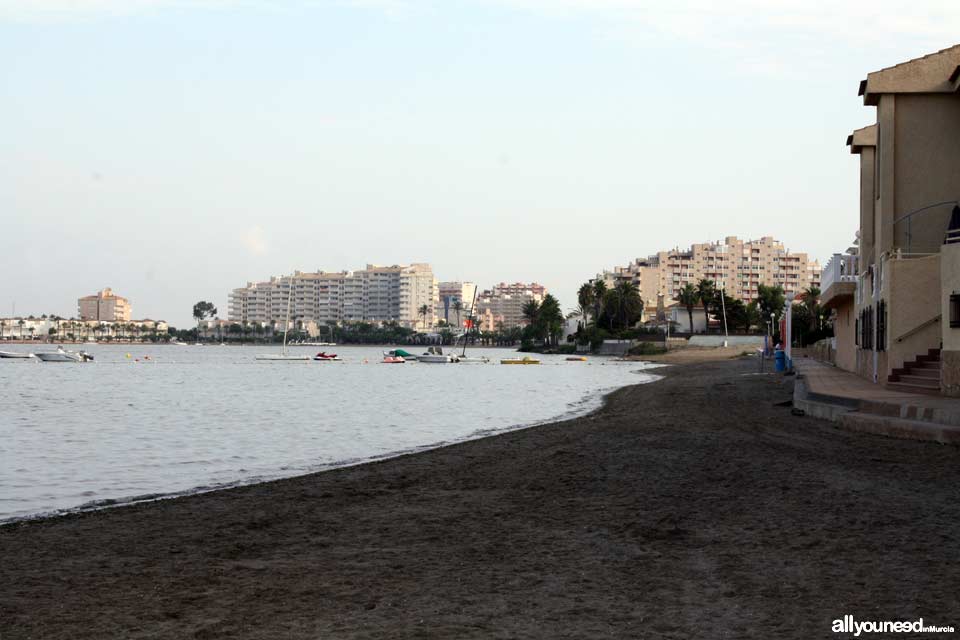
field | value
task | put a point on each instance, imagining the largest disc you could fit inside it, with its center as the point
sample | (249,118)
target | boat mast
(473,307)
(286,324)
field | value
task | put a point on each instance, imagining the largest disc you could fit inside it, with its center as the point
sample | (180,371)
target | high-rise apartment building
(502,305)
(450,294)
(104,306)
(737,265)
(374,294)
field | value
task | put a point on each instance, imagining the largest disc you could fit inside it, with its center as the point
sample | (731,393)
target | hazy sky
(174,150)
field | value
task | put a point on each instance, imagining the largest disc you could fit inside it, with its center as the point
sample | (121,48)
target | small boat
(523,360)
(473,359)
(435,355)
(323,356)
(576,359)
(284,355)
(18,355)
(399,353)
(393,360)
(62,355)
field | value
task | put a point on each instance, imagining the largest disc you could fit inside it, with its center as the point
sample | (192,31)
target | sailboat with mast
(284,355)
(463,357)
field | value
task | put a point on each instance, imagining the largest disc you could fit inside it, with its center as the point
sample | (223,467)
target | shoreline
(572,413)
(656,515)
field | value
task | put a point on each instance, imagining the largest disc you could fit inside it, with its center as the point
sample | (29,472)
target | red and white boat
(323,356)
(393,360)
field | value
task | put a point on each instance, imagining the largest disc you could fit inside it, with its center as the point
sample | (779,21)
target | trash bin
(780,360)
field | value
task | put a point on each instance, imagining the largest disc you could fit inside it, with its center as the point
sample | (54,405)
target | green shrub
(647,349)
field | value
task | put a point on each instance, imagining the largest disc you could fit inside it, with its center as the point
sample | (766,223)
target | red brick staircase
(920,376)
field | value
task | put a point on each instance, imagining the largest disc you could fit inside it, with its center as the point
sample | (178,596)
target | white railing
(842,267)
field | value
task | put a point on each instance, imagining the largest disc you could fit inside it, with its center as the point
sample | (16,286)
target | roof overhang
(860,138)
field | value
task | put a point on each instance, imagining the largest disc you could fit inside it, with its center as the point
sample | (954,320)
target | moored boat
(435,355)
(473,359)
(399,353)
(284,355)
(576,359)
(62,355)
(323,356)
(393,360)
(523,360)
(15,355)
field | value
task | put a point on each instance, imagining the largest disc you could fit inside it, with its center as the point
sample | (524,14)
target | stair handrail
(935,319)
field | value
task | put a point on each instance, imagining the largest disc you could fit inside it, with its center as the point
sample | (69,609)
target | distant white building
(395,293)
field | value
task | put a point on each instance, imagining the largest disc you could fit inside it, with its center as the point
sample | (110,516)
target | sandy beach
(695,506)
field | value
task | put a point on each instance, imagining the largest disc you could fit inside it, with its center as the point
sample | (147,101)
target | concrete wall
(716,341)
(927,166)
(912,291)
(844,325)
(868,156)
(950,356)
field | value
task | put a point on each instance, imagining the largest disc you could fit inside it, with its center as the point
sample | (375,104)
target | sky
(176,149)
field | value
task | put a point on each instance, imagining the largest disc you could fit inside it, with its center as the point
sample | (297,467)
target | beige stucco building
(739,266)
(104,306)
(501,306)
(374,294)
(899,295)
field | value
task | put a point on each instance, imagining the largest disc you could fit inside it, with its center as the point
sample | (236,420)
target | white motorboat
(284,356)
(399,353)
(473,359)
(18,355)
(435,355)
(62,355)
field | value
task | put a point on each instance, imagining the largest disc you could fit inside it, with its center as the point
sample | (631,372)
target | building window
(955,311)
(882,326)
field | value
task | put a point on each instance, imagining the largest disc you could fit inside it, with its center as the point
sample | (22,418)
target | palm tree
(706,291)
(586,297)
(458,307)
(423,311)
(20,323)
(688,297)
(811,300)
(625,304)
(530,311)
(599,291)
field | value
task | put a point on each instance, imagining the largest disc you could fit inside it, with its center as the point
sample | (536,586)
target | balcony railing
(842,267)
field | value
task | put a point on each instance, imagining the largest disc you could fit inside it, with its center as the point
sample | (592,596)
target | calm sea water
(198,418)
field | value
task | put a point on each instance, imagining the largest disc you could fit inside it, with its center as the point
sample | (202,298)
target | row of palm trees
(544,321)
(621,307)
(617,308)
(77,329)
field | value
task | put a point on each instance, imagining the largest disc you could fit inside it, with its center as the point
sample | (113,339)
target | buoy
(128,356)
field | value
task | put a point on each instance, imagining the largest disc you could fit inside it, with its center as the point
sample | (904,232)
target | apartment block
(502,305)
(452,293)
(104,306)
(375,294)
(739,266)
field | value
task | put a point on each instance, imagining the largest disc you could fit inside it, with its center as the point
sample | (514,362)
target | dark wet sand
(690,507)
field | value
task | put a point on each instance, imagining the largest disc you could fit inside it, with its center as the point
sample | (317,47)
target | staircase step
(933,374)
(909,387)
(935,366)
(923,381)
(900,427)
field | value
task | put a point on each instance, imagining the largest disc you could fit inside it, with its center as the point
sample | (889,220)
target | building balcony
(838,280)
